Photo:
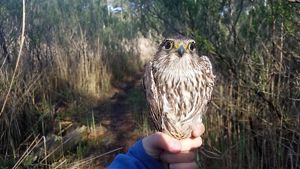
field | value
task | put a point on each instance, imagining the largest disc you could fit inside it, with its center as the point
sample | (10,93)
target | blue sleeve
(136,158)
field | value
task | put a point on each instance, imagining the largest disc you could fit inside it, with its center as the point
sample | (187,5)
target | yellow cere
(177,45)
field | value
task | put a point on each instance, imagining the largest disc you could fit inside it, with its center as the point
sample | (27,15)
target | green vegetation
(77,54)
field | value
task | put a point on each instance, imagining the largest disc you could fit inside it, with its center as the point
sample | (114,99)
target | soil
(116,128)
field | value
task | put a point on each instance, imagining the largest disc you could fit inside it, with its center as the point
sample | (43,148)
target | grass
(138,104)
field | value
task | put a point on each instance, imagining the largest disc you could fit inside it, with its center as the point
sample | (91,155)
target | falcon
(178,84)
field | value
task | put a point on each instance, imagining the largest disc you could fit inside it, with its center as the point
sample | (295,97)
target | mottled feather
(178,87)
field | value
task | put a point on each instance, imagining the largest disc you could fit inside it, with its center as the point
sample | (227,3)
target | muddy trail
(116,123)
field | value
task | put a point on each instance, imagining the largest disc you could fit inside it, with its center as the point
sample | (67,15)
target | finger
(192,165)
(166,143)
(190,143)
(158,141)
(198,130)
(182,157)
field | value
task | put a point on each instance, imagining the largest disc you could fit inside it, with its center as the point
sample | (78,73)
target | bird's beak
(181,50)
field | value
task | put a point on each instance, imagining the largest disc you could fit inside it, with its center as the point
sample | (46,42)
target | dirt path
(116,116)
(114,124)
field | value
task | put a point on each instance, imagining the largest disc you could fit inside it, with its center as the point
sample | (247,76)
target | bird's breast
(180,94)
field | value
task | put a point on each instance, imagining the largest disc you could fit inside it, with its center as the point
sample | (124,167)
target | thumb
(158,142)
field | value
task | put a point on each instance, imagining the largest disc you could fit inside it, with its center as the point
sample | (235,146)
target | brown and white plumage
(178,86)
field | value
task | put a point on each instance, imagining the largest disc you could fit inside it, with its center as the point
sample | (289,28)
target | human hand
(176,153)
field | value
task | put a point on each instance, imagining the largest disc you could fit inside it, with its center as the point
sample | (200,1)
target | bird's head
(177,53)
(178,47)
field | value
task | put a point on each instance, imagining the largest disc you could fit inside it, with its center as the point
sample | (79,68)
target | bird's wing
(208,77)
(152,96)
(202,96)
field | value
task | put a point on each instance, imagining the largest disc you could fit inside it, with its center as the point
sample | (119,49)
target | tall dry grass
(254,119)
(69,63)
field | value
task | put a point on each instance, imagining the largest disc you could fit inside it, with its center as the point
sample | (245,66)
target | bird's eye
(192,46)
(168,44)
